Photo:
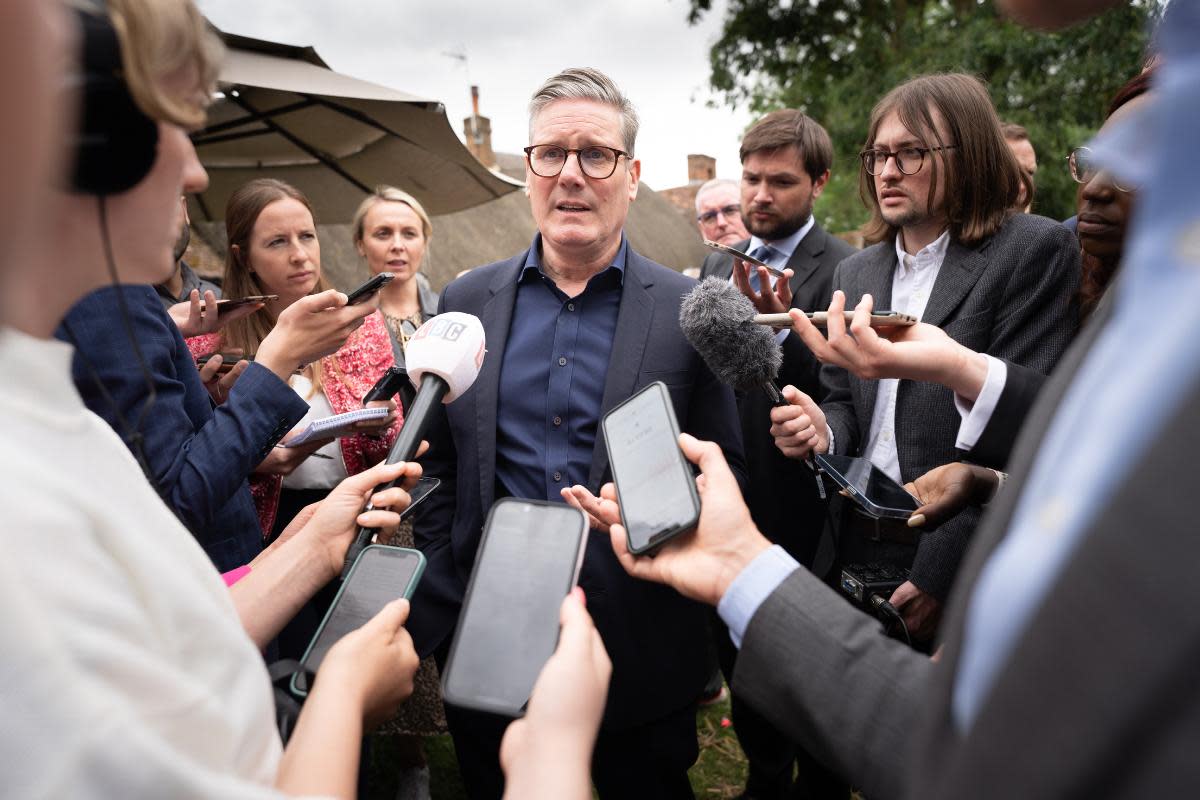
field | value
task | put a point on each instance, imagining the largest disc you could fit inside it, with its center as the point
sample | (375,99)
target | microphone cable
(130,432)
(881,603)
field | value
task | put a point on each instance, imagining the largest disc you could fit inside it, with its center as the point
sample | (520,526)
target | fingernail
(916,520)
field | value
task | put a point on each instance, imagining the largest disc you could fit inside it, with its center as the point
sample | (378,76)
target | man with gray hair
(719,212)
(574,325)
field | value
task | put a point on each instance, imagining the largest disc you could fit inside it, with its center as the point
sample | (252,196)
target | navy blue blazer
(656,638)
(199,457)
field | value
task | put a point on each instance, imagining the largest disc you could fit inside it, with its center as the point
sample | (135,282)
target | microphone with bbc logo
(443,359)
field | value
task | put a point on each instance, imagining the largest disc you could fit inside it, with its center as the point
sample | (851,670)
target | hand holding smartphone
(225,305)
(380,575)
(528,561)
(717,247)
(228,361)
(655,486)
(868,486)
(369,289)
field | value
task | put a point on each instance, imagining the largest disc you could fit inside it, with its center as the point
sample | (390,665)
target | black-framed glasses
(596,161)
(909,160)
(1083,166)
(730,211)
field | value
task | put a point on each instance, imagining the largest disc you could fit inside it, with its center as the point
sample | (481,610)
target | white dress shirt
(912,283)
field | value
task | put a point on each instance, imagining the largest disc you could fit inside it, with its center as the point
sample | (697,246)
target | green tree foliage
(834,59)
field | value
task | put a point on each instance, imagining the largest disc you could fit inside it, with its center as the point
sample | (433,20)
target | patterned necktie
(763,253)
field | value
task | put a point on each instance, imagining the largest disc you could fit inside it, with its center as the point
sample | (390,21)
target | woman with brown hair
(273,250)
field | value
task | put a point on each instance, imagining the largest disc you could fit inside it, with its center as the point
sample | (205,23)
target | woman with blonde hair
(392,232)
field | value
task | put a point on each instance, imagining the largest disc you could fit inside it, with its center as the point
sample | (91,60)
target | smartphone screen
(528,561)
(868,486)
(380,575)
(655,486)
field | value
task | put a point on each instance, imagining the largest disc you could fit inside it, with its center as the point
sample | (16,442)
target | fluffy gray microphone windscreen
(718,321)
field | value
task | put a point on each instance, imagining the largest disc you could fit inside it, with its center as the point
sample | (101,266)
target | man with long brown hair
(942,186)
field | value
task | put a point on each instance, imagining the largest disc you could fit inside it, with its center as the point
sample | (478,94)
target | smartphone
(394,381)
(228,361)
(369,289)
(879,319)
(820,319)
(380,574)
(228,304)
(423,489)
(655,485)
(868,486)
(528,561)
(738,254)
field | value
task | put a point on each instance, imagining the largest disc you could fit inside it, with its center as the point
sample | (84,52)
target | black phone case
(370,287)
(685,469)
(481,704)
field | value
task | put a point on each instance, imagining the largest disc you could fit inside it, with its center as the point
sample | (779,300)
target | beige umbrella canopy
(284,114)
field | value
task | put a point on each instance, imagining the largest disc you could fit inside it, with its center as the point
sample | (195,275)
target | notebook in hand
(335,427)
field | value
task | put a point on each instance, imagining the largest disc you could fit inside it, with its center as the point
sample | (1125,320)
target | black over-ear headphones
(116,143)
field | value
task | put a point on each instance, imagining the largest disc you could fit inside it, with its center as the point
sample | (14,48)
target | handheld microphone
(443,359)
(720,323)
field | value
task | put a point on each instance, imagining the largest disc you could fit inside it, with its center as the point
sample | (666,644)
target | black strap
(287,705)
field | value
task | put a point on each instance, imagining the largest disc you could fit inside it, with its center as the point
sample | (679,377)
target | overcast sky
(646,46)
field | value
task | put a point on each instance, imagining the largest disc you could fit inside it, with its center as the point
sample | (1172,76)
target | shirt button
(557,477)
(562,361)
(887,436)
(570,306)
(558,421)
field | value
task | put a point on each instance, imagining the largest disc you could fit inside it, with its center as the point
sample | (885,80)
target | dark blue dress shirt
(552,379)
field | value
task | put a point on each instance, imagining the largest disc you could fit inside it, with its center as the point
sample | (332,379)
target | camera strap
(287,705)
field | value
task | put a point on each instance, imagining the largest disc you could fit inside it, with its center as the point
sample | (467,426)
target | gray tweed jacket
(1011,296)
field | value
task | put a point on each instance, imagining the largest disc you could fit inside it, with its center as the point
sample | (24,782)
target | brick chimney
(478,133)
(701,168)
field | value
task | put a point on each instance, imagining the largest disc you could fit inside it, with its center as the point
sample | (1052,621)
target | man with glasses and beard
(786,158)
(574,325)
(943,188)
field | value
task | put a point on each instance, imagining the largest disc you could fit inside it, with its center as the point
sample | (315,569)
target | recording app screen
(870,482)
(648,468)
(526,566)
(380,576)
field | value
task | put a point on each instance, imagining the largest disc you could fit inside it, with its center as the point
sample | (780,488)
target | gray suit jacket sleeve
(826,675)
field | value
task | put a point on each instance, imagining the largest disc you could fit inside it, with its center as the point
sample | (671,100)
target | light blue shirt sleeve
(751,587)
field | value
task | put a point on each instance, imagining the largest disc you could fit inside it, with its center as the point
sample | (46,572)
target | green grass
(719,772)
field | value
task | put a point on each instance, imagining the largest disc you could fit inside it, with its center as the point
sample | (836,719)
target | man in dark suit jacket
(952,254)
(785,165)
(786,158)
(574,326)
